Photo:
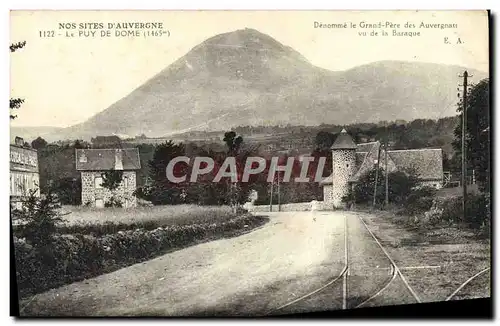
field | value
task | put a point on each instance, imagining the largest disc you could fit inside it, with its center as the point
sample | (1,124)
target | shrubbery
(38,218)
(419,200)
(448,211)
(47,258)
(478,210)
(73,257)
(401,186)
(113,202)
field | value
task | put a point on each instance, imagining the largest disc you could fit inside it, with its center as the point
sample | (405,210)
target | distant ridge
(246,77)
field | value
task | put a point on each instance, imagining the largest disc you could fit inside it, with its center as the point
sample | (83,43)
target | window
(98,182)
(125,182)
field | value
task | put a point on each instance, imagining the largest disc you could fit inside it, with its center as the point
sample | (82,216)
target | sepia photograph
(249,163)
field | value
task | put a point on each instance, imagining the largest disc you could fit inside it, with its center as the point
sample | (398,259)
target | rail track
(465,283)
(344,276)
(394,272)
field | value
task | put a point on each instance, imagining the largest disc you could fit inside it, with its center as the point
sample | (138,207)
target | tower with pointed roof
(336,185)
(351,161)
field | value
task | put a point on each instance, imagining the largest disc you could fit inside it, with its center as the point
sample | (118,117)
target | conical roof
(343,141)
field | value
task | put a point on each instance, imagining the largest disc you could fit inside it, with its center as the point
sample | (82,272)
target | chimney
(19,141)
(118,159)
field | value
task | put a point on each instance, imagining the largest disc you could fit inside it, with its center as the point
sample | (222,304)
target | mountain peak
(248,38)
(246,77)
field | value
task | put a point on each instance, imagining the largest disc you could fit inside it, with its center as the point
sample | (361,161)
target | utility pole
(464,153)
(386,170)
(271,199)
(376,177)
(279,199)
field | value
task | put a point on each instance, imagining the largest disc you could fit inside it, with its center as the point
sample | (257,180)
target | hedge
(74,257)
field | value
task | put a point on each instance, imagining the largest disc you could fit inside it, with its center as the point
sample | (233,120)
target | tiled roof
(360,157)
(343,141)
(368,161)
(427,163)
(104,159)
(365,147)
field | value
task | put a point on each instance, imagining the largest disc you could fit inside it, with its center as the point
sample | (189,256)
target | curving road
(294,263)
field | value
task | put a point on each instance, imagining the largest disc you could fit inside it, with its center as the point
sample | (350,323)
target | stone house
(350,161)
(93,163)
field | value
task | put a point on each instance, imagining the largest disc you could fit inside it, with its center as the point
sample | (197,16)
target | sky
(66,80)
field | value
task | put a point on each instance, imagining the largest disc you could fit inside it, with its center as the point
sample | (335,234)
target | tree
(236,190)
(233,143)
(477,140)
(324,140)
(162,191)
(38,217)
(39,143)
(16,46)
(15,103)
(400,187)
(68,190)
(79,144)
(111,179)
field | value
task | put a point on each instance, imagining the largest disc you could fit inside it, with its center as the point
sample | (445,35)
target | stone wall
(292,207)
(344,166)
(92,195)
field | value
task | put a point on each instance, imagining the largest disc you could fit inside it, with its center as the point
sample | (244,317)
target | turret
(343,166)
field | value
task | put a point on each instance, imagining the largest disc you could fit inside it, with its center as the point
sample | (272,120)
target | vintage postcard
(249,163)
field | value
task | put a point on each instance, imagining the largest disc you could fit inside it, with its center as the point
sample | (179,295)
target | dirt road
(295,254)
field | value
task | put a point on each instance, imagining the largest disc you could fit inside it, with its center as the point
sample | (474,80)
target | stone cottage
(94,163)
(350,161)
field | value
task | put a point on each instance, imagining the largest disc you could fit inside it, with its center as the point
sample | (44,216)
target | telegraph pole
(386,171)
(271,199)
(279,202)
(376,178)
(464,153)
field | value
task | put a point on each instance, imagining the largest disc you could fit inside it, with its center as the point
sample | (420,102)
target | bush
(478,210)
(76,257)
(420,200)
(401,186)
(451,209)
(113,202)
(38,218)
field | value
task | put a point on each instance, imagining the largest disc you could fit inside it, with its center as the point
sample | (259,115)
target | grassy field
(444,257)
(93,242)
(160,215)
